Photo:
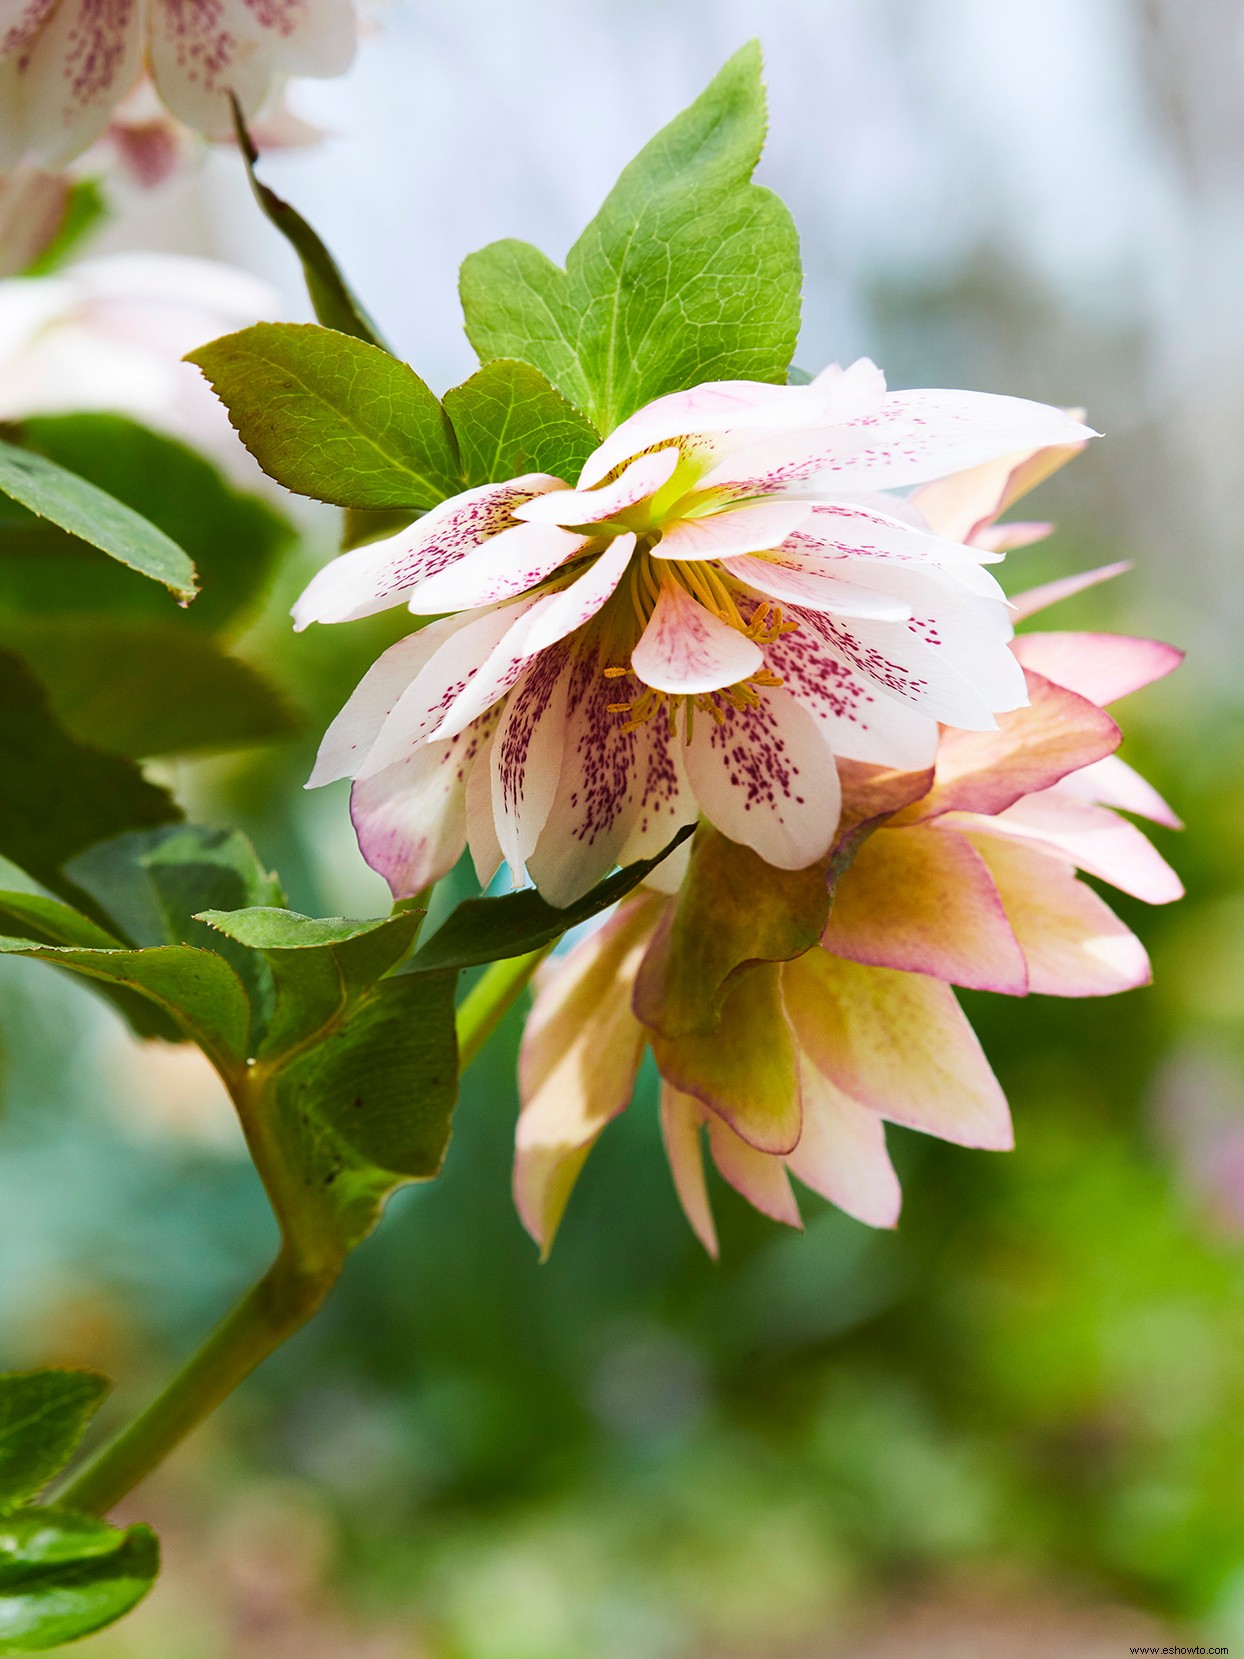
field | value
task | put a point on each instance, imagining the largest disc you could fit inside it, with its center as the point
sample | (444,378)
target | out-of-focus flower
(32,208)
(110,333)
(720,606)
(974,884)
(65,65)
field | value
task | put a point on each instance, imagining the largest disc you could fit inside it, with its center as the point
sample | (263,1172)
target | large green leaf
(334,418)
(235,539)
(486,930)
(331,298)
(509,420)
(142,686)
(59,796)
(63,1575)
(63,498)
(43,1416)
(688,273)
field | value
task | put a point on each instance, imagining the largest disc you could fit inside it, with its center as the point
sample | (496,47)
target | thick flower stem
(289,1293)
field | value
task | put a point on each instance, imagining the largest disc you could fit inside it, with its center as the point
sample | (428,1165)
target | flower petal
(1074,944)
(1097,840)
(63,82)
(1037,599)
(766,777)
(580,1054)
(922,899)
(749,529)
(759,1176)
(384,573)
(909,438)
(842,1153)
(898,1043)
(348,741)
(481,827)
(685,649)
(746,1071)
(505,565)
(1112,782)
(873,531)
(642,478)
(1101,667)
(795,581)
(527,755)
(965,504)
(681,1118)
(666,804)
(1032,748)
(410,819)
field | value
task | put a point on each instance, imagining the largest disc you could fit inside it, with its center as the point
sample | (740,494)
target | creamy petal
(750,529)
(681,1120)
(1097,840)
(759,1176)
(686,649)
(1112,782)
(842,1153)
(963,505)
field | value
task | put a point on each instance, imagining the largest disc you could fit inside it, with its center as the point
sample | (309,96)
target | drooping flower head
(972,883)
(724,603)
(65,65)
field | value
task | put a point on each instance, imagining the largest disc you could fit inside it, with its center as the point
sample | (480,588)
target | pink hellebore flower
(720,606)
(975,884)
(65,65)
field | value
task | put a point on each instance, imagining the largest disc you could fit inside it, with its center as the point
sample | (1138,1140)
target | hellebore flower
(722,605)
(973,884)
(65,65)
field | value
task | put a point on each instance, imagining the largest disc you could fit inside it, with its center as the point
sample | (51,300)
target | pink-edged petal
(642,478)
(1100,842)
(909,438)
(599,791)
(576,1071)
(481,827)
(795,581)
(922,899)
(842,1153)
(63,82)
(681,1119)
(1101,667)
(1040,598)
(685,649)
(384,573)
(348,741)
(1032,748)
(964,505)
(466,649)
(750,529)
(1112,782)
(898,1043)
(718,406)
(505,565)
(527,755)
(860,722)
(1011,536)
(1074,944)
(896,662)
(410,819)
(759,1176)
(766,777)
(539,626)
(746,1071)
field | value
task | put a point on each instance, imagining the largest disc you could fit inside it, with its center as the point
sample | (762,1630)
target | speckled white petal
(685,649)
(751,529)
(70,74)
(527,756)
(634,484)
(507,564)
(793,580)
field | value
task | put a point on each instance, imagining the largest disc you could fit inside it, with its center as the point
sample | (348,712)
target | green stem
(289,1293)
(490,998)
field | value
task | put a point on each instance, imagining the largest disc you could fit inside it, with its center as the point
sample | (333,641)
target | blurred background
(1016,1426)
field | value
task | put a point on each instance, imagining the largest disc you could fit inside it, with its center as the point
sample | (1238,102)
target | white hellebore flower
(66,64)
(718,607)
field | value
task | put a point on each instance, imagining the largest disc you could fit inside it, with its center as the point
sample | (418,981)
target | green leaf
(235,539)
(364,524)
(319,965)
(48,921)
(334,418)
(331,298)
(688,273)
(196,988)
(142,686)
(509,420)
(52,493)
(734,912)
(43,1416)
(59,795)
(486,930)
(63,1575)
